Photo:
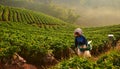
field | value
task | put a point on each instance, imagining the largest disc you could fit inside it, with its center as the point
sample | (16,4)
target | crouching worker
(81,44)
(112,40)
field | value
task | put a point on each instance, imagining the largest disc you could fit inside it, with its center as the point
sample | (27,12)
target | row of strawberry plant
(22,15)
(107,61)
(32,40)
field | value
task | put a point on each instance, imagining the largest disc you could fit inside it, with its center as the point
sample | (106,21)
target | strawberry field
(33,35)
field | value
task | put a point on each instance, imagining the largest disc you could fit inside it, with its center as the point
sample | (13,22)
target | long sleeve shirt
(80,40)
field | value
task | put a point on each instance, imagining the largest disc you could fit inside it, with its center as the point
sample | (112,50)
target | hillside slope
(67,15)
(30,17)
(32,34)
(23,34)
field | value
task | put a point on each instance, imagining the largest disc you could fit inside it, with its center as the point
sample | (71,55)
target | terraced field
(27,16)
(34,34)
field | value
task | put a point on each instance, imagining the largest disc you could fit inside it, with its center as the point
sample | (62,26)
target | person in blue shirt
(80,42)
